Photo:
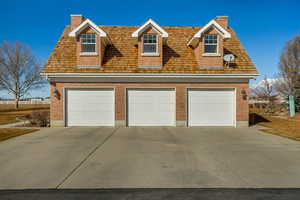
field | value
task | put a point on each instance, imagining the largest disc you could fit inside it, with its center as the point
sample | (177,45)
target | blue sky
(263,26)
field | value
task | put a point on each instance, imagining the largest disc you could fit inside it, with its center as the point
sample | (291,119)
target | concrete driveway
(102,157)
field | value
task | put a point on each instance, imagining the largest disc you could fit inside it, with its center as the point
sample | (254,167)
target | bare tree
(266,93)
(289,67)
(19,70)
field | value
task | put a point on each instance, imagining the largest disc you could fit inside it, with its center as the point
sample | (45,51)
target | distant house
(149,75)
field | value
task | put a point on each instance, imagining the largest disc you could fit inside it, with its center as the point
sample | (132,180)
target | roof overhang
(147,77)
(147,24)
(85,24)
(205,28)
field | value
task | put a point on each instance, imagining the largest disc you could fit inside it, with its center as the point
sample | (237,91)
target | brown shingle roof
(122,55)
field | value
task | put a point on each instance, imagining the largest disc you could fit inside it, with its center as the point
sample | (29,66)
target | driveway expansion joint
(86,158)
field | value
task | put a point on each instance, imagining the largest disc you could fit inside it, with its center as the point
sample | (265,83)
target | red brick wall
(150,60)
(56,105)
(76,20)
(222,20)
(181,92)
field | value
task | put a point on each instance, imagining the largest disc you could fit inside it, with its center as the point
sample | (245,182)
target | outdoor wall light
(244,94)
(56,93)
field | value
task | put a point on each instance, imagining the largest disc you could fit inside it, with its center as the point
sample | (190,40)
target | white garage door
(90,107)
(211,107)
(151,107)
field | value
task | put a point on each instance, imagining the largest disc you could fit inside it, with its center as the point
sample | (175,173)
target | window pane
(88,48)
(150,38)
(88,42)
(88,38)
(210,48)
(149,48)
(210,39)
(150,43)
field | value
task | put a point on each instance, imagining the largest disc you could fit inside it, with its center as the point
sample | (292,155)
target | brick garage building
(149,75)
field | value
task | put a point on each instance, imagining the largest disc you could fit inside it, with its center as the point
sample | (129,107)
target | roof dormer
(208,43)
(91,42)
(87,23)
(150,37)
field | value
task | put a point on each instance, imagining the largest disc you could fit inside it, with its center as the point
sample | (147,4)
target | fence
(31,101)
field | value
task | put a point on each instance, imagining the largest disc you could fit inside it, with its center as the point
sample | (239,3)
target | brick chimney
(222,20)
(76,20)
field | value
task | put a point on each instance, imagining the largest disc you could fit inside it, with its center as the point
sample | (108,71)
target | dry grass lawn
(6,133)
(9,115)
(11,107)
(285,127)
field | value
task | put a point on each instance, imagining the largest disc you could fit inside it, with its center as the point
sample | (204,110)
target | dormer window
(211,43)
(150,43)
(88,43)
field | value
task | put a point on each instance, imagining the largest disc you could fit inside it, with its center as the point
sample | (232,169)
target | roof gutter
(146,75)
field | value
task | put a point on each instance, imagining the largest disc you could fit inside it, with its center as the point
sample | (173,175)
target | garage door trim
(64,96)
(208,88)
(136,87)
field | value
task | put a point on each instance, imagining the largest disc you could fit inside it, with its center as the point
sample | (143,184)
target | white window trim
(211,54)
(88,54)
(150,53)
(218,45)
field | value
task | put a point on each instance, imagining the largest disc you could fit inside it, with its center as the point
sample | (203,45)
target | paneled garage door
(90,107)
(151,107)
(211,107)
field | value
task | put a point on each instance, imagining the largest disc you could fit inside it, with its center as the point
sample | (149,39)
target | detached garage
(90,107)
(151,107)
(211,107)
